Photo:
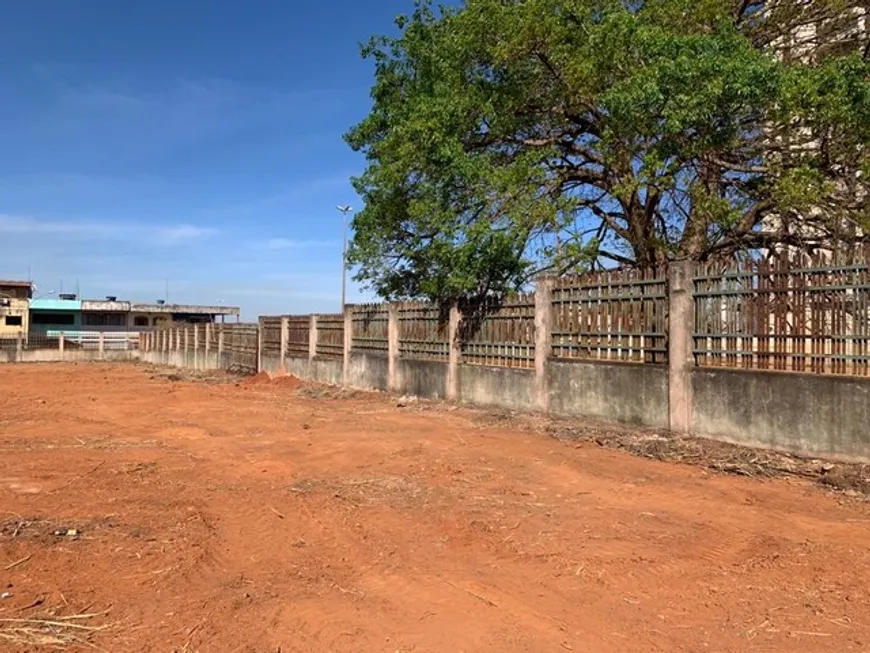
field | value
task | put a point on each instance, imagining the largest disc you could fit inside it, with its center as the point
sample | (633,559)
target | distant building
(818,30)
(61,313)
(14,309)
(67,313)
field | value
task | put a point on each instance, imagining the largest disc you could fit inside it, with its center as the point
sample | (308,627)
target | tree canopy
(510,138)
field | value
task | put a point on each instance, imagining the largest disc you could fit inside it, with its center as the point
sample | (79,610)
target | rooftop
(16,284)
(185,308)
(52,304)
(114,305)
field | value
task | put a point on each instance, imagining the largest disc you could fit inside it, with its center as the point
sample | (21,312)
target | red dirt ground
(246,517)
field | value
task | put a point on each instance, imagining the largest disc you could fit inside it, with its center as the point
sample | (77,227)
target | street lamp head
(344,208)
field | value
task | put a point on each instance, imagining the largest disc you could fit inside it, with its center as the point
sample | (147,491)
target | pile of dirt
(262,378)
(287,382)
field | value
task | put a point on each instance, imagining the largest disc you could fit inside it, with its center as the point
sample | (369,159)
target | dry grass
(68,632)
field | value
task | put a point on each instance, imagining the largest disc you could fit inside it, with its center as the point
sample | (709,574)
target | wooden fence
(499,333)
(370,328)
(796,314)
(330,335)
(423,331)
(612,315)
(298,330)
(799,314)
(270,329)
(242,341)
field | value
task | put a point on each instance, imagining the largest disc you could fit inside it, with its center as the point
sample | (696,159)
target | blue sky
(198,141)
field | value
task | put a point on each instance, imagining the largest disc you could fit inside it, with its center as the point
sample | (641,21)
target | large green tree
(509,138)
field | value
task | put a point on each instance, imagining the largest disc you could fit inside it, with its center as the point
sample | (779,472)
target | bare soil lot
(140,512)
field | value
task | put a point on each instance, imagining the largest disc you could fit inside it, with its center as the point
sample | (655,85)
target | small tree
(510,138)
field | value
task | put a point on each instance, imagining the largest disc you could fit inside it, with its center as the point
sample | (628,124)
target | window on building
(140,321)
(53,318)
(14,320)
(104,319)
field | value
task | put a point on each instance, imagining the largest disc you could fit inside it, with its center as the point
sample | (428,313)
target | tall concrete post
(207,347)
(196,346)
(285,338)
(220,347)
(260,331)
(680,346)
(453,353)
(312,338)
(543,340)
(101,351)
(348,343)
(19,349)
(60,345)
(392,347)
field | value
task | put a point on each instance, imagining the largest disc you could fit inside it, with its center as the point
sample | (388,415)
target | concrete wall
(272,364)
(298,366)
(200,360)
(426,379)
(617,392)
(497,386)
(326,370)
(68,356)
(368,371)
(817,415)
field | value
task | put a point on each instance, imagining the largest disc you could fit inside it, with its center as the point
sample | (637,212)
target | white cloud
(184,232)
(172,234)
(289,243)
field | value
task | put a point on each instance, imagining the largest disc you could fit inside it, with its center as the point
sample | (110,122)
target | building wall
(39,328)
(153,319)
(47,309)
(17,308)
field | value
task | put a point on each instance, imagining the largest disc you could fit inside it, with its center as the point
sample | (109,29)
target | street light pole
(344,211)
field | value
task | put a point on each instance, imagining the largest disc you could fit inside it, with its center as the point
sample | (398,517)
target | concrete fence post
(453,353)
(186,343)
(220,347)
(348,343)
(312,338)
(207,347)
(260,331)
(195,346)
(392,347)
(60,345)
(101,348)
(19,349)
(543,341)
(285,338)
(680,346)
